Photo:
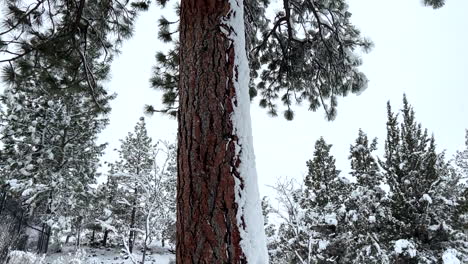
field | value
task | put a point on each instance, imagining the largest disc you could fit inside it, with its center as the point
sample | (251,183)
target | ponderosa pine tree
(51,154)
(108,195)
(309,51)
(135,163)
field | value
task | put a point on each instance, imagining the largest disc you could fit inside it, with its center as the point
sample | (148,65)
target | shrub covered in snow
(8,237)
(405,247)
(21,257)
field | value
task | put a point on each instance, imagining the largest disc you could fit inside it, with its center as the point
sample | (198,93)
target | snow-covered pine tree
(314,230)
(114,211)
(300,48)
(364,166)
(420,202)
(325,194)
(135,163)
(141,192)
(367,210)
(308,48)
(51,154)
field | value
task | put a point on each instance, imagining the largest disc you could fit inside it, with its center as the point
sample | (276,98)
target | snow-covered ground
(96,256)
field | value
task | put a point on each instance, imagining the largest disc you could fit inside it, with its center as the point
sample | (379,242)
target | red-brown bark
(207,229)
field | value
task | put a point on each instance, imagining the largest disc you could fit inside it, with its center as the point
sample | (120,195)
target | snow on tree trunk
(219,216)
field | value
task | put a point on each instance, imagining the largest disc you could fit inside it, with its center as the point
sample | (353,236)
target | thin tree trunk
(208,223)
(20,222)
(47,240)
(145,247)
(131,237)
(40,242)
(78,236)
(2,203)
(104,239)
(44,239)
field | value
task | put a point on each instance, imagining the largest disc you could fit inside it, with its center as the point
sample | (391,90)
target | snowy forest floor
(107,256)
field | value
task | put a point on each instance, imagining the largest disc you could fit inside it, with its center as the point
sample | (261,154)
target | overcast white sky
(418,51)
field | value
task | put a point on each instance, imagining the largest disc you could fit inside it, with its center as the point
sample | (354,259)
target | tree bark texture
(207,228)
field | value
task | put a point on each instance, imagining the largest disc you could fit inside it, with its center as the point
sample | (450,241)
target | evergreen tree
(313,227)
(135,163)
(322,203)
(364,166)
(51,154)
(421,185)
(367,208)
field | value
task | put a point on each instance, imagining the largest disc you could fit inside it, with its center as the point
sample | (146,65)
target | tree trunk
(145,247)
(211,224)
(44,239)
(20,223)
(47,240)
(131,237)
(93,237)
(78,236)
(3,201)
(41,238)
(104,239)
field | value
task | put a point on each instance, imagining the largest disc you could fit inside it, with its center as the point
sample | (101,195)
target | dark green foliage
(363,165)
(422,217)
(308,53)
(64,46)
(50,155)
(316,67)
(434,3)
(367,209)
(322,181)
(424,189)
(316,214)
